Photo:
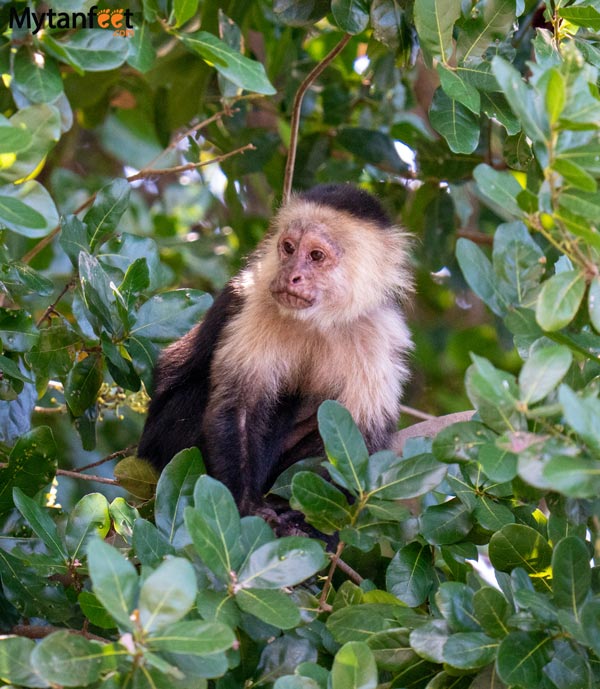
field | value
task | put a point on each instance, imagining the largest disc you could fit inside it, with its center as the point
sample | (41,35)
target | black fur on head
(351,199)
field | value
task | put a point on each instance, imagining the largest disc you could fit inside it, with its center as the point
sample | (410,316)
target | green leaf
(354,667)
(521,658)
(88,518)
(247,74)
(150,547)
(136,280)
(543,371)
(184,10)
(447,523)
(491,515)
(28,209)
(559,300)
(524,101)
(114,581)
(586,157)
(556,95)
(38,82)
(167,594)
(459,126)
(410,575)
(389,23)
(491,22)
(575,175)
(494,394)
(568,669)
(396,478)
(581,203)
(461,442)
(571,573)
(92,50)
(215,528)
(68,660)
(42,121)
(142,54)
(492,611)
(97,293)
(300,12)
(576,477)
(174,492)
(94,611)
(455,602)
(195,639)
(324,506)
(501,188)
(590,621)
(344,445)
(284,562)
(372,146)
(479,275)
(517,545)
(14,139)
(582,15)
(123,516)
(458,89)
(170,315)
(429,640)
(137,476)
(271,606)
(15,662)
(103,217)
(120,368)
(83,384)
(39,519)
(352,16)
(31,466)
(594,302)
(498,465)
(434,21)
(470,650)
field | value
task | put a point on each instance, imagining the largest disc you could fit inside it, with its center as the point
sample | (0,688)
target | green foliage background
(136,173)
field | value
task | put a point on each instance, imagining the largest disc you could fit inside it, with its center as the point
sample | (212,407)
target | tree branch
(429,428)
(297,106)
(33,631)
(77,475)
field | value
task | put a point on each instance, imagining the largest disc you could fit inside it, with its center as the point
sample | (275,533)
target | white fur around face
(350,346)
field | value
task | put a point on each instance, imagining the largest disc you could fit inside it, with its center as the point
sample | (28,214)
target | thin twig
(334,563)
(477,237)
(297,106)
(35,631)
(108,458)
(416,413)
(50,410)
(74,474)
(52,308)
(209,120)
(190,166)
(43,243)
(352,573)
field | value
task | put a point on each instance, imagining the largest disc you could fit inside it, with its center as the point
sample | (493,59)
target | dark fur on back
(351,199)
(182,385)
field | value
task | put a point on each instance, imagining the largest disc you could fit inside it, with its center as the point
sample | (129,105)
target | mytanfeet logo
(119,21)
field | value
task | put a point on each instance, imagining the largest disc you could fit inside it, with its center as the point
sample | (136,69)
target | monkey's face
(307,256)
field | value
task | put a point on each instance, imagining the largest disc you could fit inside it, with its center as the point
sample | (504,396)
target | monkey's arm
(182,385)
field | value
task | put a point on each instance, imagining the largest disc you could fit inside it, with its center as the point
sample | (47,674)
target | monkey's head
(333,255)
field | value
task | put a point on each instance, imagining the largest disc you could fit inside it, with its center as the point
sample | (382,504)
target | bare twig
(108,458)
(297,106)
(52,308)
(416,413)
(33,631)
(43,243)
(352,573)
(197,127)
(190,166)
(477,237)
(334,564)
(75,474)
(429,428)
(50,410)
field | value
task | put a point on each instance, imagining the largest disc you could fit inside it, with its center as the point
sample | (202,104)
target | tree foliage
(136,170)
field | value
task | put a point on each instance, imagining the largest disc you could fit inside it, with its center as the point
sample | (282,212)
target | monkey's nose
(296,279)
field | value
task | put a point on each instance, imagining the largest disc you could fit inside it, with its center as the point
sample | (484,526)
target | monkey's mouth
(292,300)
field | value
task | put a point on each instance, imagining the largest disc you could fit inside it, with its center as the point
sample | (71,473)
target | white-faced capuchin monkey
(316,315)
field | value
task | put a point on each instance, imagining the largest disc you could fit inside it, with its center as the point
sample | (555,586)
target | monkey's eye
(288,247)
(316,255)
